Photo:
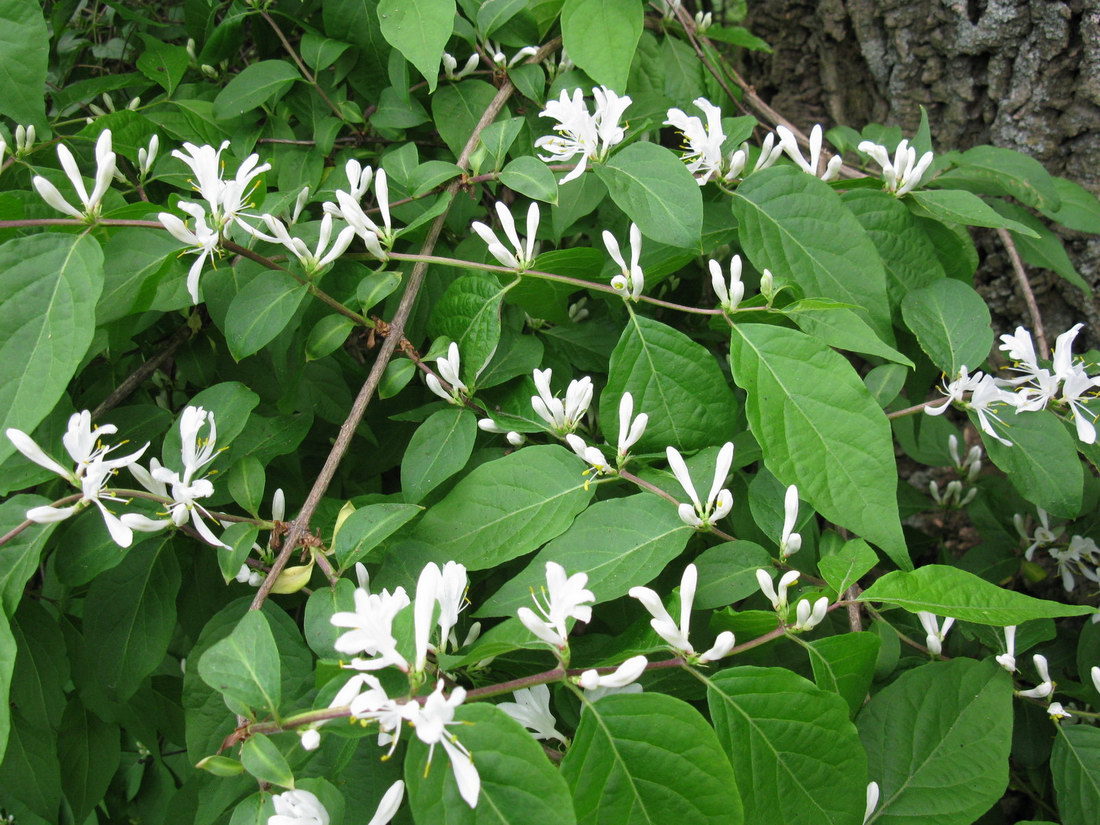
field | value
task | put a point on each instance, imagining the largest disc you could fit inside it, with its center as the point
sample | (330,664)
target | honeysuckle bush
(471,414)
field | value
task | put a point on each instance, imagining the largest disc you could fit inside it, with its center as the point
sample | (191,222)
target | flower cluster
(580,132)
(703,145)
(1079,556)
(104,174)
(699,514)
(1045,688)
(903,174)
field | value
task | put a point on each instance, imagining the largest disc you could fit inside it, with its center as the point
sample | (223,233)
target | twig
(138,376)
(1025,288)
(916,408)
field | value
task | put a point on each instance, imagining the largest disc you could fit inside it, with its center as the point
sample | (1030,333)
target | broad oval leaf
(419,29)
(959,206)
(673,379)
(244,666)
(531,177)
(1075,766)
(603,51)
(937,742)
(368,526)
(820,429)
(469,314)
(948,591)
(260,311)
(952,324)
(649,759)
(796,754)
(656,191)
(439,448)
(24,55)
(257,84)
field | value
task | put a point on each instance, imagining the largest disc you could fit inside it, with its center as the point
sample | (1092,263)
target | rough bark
(1024,74)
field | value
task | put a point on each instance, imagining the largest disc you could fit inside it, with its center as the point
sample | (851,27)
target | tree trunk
(1023,74)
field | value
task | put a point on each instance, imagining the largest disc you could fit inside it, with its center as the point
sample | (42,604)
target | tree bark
(1023,74)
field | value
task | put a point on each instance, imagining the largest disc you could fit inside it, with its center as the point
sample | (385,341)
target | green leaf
(496,139)
(519,785)
(959,206)
(673,379)
(907,255)
(796,226)
(321,52)
(469,314)
(230,401)
(244,666)
(727,572)
(222,766)
(376,286)
(999,171)
(506,508)
(30,777)
(257,84)
(439,448)
(21,555)
(952,325)
(845,664)
(619,543)
(328,335)
(649,759)
(531,177)
(163,64)
(495,13)
(24,54)
(368,526)
(8,653)
(246,481)
(89,753)
(836,447)
(320,633)
(838,326)
(240,537)
(457,108)
(845,567)
(138,264)
(260,311)
(1041,463)
(948,591)
(937,742)
(41,670)
(603,51)
(357,22)
(131,611)
(50,283)
(1079,209)
(1075,766)
(1047,251)
(653,187)
(419,29)
(265,761)
(792,744)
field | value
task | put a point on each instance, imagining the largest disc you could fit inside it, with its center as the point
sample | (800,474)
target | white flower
(969,466)
(935,633)
(1021,349)
(1074,386)
(769,154)
(224,198)
(1057,712)
(489,426)
(984,397)
(431,721)
(310,739)
(767,286)
(631,280)
(790,542)
(719,501)
(371,628)
(592,455)
(904,173)
(625,674)
(703,144)
(299,204)
(563,417)
(1063,352)
(1043,536)
(563,598)
(954,390)
(202,239)
(450,64)
(579,132)
(872,800)
(451,595)
(427,595)
(352,212)
(677,635)
(24,140)
(322,255)
(790,146)
(1007,660)
(524,254)
(778,599)
(728,296)
(629,430)
(808,617)
(532,710)
(449,366)
(359,178)
(1095,674)
(146,156)
(105,171)
(501,61)
(298,807)
(1081,557)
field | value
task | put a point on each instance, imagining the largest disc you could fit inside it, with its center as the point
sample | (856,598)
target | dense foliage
(492,377)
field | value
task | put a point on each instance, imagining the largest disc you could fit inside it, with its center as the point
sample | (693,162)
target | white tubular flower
(202,239)
(563,598)
(872,800)
(563,417)
(146,156)
(1063,352)
(352,212)
(359,178)
(371,629)
(675,634)
(790,145)
(524,254)
(582,133)
(1081,556)
(1007,660)
(450,64)
(310,739)
(770,151)
(1021,349)
(984,398)
(625,674)
(297,807)
(1074,386)
(453,583)
(777,598)
(808,617)
(24,140)
(299,204)
(224,198)
(629,430)
(1043,536)
(388,805)
(427,595)
(105,172)
(767,286)
(790,542)
(935,633)
(1057,712)
(489,426)
(1045,686)
(1095,674)
(703,144)
(728,296)
(591,455)
(723,645)
(719,501)
(450,367)
(630,281)
(316,260)
(955,389)
(431,721)
(902,174)
(532,710)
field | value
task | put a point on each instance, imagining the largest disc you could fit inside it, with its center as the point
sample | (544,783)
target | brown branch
(1025,288)
(138,376)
